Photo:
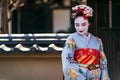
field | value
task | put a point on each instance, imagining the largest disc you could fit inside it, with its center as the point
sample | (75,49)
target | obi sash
(87,56)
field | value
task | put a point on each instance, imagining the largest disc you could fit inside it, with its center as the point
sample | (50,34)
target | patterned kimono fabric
(84,59)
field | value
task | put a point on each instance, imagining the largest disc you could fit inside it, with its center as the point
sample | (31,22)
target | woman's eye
(83,24)
(76,24)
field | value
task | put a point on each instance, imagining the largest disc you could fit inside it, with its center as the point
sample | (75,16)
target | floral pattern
(73,73)
(71,43)
(95,72)
(70,59)
(73,69)
(88,11)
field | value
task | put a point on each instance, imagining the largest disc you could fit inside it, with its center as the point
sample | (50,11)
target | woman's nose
(80,27)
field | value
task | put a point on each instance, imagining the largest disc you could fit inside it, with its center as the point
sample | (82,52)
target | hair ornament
(84,9)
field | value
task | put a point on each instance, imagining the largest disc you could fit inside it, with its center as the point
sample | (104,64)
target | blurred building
(31,56)
(46,16)
(53,16)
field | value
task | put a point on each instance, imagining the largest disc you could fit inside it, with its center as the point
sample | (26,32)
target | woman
(83,57)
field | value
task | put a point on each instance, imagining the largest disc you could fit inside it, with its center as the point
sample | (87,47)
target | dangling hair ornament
(84,9)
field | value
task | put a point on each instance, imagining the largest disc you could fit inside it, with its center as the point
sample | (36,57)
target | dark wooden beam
(4,19)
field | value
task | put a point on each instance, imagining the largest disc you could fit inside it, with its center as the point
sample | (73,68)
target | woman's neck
(86,36)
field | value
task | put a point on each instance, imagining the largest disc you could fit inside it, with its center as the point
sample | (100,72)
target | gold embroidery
(105,77)
(81,58)
(73,73)
(102,56)
(91,61)
(71,43)
(94,72)
(86,59)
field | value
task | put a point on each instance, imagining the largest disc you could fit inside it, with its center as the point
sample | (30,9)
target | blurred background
(54,16)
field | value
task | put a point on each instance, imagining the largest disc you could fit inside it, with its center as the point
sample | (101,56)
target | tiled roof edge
(19,42)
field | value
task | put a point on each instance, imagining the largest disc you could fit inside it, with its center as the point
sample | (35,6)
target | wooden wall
(30,67)
(111,41)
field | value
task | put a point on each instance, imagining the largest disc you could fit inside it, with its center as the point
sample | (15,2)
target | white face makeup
(81,25)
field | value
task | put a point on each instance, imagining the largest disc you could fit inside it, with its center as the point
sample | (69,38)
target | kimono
(84,59)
